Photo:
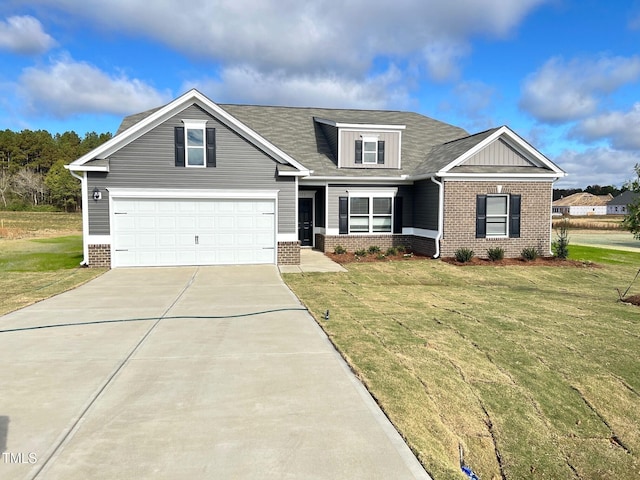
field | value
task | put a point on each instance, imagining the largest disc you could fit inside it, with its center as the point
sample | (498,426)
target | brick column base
(100,256)
(289,253)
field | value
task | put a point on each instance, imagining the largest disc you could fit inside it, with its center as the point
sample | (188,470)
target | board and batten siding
(148,162)
(498,153)
(348,148)
(425,205)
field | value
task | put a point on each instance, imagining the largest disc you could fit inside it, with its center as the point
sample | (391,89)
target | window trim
(371,215)
(506,216)
(195,125)
(370,139)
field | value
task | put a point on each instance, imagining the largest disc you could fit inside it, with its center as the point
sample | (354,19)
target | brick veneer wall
(100,255)
(327,243)
(289,253)
(460,217)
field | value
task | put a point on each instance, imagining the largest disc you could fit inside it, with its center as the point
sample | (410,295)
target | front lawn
(534,371)
(37,268)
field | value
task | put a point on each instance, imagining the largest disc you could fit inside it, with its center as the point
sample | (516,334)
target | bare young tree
(5,185)
(29,185)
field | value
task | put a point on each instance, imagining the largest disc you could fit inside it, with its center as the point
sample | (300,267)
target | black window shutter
(358,151)
(178,134)
(514,216)
(397,215)
(211,147)
(343,215)
(481,216)
(380,152)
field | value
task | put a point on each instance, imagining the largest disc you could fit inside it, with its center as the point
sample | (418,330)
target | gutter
(85,216)
(440,215)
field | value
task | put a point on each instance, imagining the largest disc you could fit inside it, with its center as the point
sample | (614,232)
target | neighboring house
(197,183)
(582,203)
(619,205)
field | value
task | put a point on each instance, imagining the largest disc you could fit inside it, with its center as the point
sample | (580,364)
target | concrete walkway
(313,261)
(195,385)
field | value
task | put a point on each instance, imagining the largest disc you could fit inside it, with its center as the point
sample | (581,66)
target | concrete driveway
(244,396)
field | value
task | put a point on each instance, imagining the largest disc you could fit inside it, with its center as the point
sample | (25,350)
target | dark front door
(305,221)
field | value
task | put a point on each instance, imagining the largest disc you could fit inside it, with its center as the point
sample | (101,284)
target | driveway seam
(75,426)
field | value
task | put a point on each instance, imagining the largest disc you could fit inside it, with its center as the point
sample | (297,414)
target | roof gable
(498,151)
(134,126)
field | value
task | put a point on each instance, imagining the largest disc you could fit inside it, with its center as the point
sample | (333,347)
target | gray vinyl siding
(425,205)
(406,192)
(149,162)
(498,153)
(347,149)
(98,210)
(331,136)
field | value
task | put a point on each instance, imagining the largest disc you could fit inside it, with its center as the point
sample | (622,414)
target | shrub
(361,253)
(373,249)
(381,256)
(401,249)
(463,255)
(560,246)
(495,254)
(339,250)
(392,251)
(529,253)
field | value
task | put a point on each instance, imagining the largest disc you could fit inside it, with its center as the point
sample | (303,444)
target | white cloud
(24,35)
(599,165)
(566,91)
(620,129)
(248,85)
(311,37)
(67,87)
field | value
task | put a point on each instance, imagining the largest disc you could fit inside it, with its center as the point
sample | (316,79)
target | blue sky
(564,74)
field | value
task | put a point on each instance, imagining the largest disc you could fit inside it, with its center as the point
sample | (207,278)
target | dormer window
(369,151)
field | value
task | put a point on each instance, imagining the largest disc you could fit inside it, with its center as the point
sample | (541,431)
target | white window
(370,214)
(195,141)
(369,150)
(497,215)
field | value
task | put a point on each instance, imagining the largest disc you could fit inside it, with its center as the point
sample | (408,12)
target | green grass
(42,255)
(533,370)
(32,269)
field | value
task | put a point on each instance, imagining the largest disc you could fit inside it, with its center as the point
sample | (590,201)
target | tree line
(32,173)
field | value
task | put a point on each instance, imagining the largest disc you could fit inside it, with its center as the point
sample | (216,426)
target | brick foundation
(289,253)
(421,245)
(100,256)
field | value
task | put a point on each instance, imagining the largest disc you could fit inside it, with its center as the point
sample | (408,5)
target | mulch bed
(350,257)
(538,262)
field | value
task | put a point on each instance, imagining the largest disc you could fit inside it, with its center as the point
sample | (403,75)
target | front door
(305,221)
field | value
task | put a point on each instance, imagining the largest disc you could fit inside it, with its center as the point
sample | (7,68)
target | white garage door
(164,232)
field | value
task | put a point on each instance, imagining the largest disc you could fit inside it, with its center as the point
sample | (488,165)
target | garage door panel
(163,231)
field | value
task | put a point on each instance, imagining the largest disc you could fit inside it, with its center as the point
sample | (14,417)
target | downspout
(85,216)
(440,215)
(551,222)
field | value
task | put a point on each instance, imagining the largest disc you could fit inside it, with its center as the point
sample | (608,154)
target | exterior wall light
(97,194)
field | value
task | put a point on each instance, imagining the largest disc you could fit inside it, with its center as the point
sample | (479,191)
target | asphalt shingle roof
(293,130)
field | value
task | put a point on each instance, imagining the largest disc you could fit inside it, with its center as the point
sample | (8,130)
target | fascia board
(360,126)
(86,168)
(504,130)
